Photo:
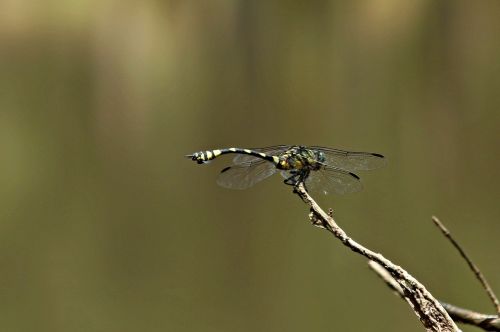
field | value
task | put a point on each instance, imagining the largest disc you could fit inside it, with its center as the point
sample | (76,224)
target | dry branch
(430,312)
(486,322)
(472,266)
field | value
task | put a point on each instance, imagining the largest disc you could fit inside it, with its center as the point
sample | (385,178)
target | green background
(105,226)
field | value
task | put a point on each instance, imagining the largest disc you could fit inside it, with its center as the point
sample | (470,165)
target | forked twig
(486,322)
(430,312)
(472,266)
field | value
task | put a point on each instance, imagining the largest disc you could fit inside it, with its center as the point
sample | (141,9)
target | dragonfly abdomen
(205,156)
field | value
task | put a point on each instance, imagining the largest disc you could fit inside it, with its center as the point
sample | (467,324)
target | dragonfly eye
(321,157)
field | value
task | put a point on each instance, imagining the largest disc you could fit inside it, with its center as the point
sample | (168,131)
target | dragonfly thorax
(301,158)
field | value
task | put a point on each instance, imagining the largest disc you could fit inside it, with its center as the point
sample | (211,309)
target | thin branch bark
(466,316)
(472,266)
(430,312)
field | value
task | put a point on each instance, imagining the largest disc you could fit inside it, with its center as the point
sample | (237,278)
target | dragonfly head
(320,157)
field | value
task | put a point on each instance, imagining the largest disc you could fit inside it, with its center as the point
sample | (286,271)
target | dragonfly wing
(245,175)
(333,180)
(286,174)
(351,161)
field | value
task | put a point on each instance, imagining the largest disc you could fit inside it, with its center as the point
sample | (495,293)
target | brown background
(104,226)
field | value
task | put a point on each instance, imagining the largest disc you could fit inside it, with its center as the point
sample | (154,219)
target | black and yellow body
(297,157)
(317,167)
(205,156)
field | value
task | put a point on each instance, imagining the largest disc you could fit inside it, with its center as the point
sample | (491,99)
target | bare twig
(386,277)
(472,266)
(486,322)
(430,312)
(466,316)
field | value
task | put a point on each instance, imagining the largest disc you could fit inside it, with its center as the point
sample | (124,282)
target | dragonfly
(320,169)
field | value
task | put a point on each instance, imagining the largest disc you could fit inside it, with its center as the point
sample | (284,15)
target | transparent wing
(351,161)
(333,180)
(270,150)
(246,175)
(330,180)
(285,174)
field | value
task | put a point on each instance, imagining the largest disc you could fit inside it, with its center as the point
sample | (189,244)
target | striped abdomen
(204,156)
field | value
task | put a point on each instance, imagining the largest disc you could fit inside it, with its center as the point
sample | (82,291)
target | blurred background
(105,226)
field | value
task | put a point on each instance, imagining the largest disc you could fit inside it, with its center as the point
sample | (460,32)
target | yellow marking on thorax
(276,160)
(217,153)
(209,155)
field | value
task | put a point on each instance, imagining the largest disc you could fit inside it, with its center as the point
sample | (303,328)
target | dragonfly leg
(293,179)
(296,178)
(303,177)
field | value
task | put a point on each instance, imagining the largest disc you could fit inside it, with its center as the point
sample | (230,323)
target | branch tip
(479,276)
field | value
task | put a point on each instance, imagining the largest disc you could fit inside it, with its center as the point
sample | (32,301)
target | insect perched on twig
(321,169)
